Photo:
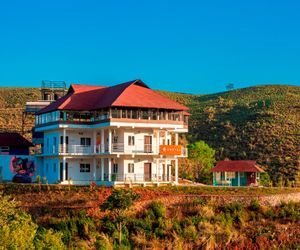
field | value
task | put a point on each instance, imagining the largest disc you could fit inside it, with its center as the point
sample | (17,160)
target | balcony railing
(104,149)
(134,178)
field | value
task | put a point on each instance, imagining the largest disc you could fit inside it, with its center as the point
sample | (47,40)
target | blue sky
(184,46)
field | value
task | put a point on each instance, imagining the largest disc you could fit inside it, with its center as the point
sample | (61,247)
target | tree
(18,231)
(118,202)
(203,159)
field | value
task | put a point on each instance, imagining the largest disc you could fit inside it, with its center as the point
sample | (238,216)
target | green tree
(203,159)
(18,231)
(118,202)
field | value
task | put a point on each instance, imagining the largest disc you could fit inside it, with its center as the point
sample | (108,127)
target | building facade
(236,173)
(122,134)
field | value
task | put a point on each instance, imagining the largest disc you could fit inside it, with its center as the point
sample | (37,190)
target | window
(130,168)
(47,168)
(115,139)
(54,167)
(85,141)
(54,141)
(115,168)
(85,167)
(131,140)
(47,142)
(4,149)
(230,175)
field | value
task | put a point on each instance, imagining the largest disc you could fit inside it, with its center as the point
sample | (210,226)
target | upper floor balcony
(114,114)
(116,148)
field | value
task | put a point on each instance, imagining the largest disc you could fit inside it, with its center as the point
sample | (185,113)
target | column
(94,169)
(102,169)
(157,141)
(64,141)
(109,141)
(176,138)
(166,177)
(102,141)
(166,137)
(109,169)
(64,169)
(176,171)
(239,179)
(94,141)
(157,174)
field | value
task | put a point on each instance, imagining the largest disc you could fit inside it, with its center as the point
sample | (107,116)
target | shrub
(157,208)
(254,205)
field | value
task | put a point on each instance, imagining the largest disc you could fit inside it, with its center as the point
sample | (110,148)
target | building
(12,146)
(121,134)
(236,173)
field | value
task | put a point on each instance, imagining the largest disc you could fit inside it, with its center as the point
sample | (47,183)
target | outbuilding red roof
(129,94)
(237,166)
(14,140)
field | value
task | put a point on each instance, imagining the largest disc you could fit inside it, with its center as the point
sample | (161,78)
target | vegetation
(201,160)
(258,123)
(149,223)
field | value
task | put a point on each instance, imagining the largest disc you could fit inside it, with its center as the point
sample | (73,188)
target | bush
(254,205)
(158,209)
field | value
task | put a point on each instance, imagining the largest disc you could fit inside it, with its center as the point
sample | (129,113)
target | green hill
(259,123)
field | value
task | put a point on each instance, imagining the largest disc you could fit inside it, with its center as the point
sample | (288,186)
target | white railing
(135,178)
(104,149)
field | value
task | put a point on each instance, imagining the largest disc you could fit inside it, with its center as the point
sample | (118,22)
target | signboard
(170,149)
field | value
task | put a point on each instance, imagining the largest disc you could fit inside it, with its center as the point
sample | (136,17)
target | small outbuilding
(14,155)
(236,173)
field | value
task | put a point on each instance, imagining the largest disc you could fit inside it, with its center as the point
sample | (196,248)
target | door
(147,172)
(147,144)
(61,172)
(251,178)
(62,143)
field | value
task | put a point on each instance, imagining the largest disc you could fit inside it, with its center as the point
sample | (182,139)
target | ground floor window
(130,168)
(85,167)
(115,168)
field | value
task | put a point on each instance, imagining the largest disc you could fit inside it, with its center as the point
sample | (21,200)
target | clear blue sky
(185,46)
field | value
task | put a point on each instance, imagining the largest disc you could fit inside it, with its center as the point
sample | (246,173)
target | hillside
(259,123)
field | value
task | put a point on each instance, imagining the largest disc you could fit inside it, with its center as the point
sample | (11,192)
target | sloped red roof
(129,94)
(237,166)
(14,139)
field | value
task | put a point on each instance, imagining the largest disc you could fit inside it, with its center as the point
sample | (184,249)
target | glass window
(130,168)
(54,167)
(85,167)
(131,140)
(85,141)
(4,149)
(115,168)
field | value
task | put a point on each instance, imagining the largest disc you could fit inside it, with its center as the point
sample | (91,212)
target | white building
(122,134)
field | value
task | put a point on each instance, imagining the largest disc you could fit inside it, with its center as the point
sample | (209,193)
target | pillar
(109,141)
(176,171)
(157,170)
(95,141)
(109,169)
(102,141)
(176,138)
(94,169)
(157,141)
(102,169)
(64,169)
(64,141)
(239,179)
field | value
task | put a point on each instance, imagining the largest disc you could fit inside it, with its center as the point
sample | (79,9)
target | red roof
(237,166)
(14,140)
(130,94)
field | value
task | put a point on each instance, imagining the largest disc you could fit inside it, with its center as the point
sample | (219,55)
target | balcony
(116,148)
